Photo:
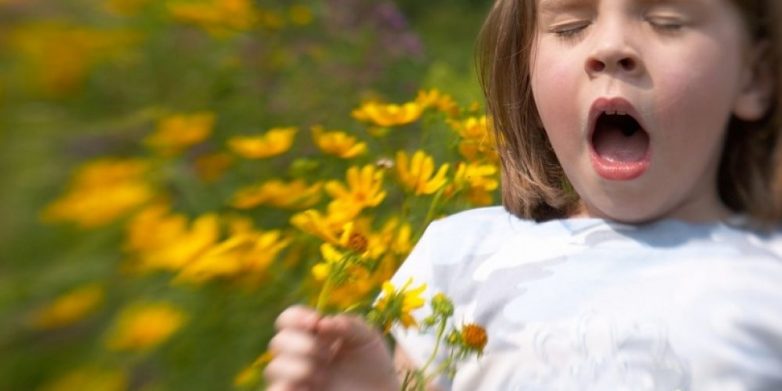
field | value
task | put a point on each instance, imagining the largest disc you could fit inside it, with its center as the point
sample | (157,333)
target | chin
(627,214)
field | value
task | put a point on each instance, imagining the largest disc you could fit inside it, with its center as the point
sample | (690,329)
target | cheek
(554,88)
(696,90)
(553,75)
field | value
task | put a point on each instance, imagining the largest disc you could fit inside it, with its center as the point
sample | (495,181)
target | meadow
(174,173)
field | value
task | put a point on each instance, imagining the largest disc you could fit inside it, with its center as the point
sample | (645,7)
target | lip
(608,169)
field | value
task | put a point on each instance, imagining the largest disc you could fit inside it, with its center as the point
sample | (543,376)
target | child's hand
(341,352)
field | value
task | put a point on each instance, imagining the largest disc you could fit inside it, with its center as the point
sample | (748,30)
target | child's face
(679,68)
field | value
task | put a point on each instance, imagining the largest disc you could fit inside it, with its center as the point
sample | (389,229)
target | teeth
(621,113)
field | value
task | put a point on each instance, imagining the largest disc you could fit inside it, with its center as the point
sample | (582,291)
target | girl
(639,144)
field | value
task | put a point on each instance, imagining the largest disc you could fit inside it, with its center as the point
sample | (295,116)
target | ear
(758,83)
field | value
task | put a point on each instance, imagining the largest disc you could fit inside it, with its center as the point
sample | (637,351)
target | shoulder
(495,220)
(479,230)
(490,214)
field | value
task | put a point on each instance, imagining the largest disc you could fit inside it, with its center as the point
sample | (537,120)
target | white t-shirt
(588,304)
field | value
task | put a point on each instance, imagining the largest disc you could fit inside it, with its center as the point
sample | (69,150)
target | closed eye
(570,30)
(665,23)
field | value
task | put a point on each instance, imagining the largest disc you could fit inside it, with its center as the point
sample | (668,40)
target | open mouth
(619,138)
(620,145)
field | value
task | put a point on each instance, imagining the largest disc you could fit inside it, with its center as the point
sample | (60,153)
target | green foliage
(81,80)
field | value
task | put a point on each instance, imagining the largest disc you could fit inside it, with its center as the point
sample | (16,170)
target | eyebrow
(558,4)
(552,6)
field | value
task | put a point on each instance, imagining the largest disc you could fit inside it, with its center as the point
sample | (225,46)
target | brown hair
(533,183)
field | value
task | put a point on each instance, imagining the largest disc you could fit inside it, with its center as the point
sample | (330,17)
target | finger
(291,371)
(347,329)
(297,317)
(299,343)
(288,387)
(281,387)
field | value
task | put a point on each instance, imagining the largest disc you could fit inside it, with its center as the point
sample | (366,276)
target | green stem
(440,331)
(324,294)
(406,381)
(430,213)
(405,206)
(336,269)
(442,367)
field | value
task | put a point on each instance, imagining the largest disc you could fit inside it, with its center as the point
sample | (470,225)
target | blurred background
(156,158)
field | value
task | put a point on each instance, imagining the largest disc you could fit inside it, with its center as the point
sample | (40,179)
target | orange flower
(474,337)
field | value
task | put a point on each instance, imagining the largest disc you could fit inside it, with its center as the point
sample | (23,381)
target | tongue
(613,145)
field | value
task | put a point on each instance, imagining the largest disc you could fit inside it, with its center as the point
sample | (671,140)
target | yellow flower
(397,305)
(331,256)
(326,227)
(69,308)
(363,189)
(352,282)
(274,142)
(396,237)
(478,179)
(359,287)
(250,375)
(337,143)
(75,50)
(292,195)
(352,239)
(102,191)
(388,114)
(177,132)
(212,166)
(160,240)
(417,174)
(442,102)
(477,139)
(89,379)
(238,256)
(141,327)
(218,17)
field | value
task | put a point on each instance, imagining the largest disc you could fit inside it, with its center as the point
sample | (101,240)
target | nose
(613,53)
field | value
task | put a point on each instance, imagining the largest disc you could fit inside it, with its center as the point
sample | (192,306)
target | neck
(702,211)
